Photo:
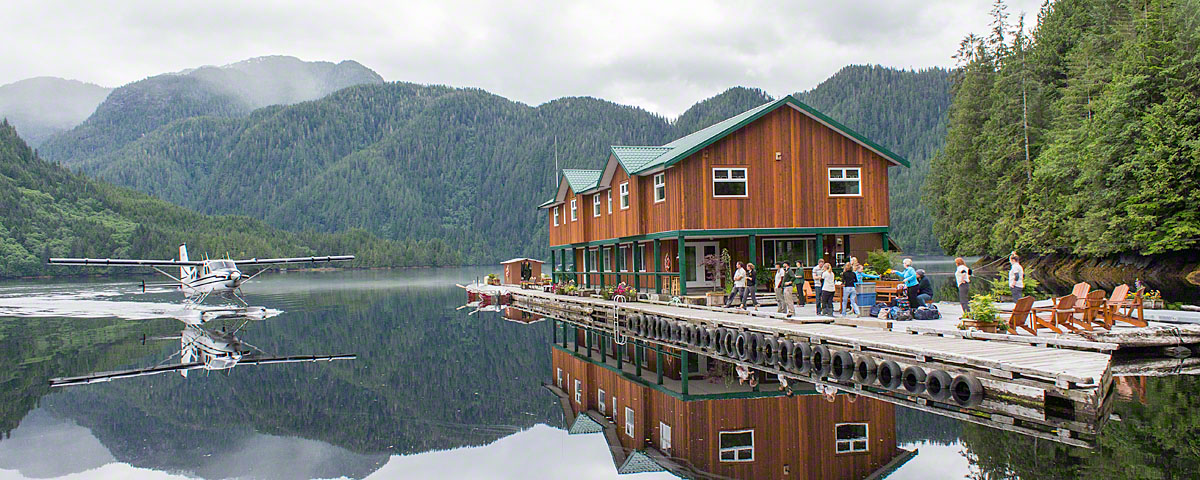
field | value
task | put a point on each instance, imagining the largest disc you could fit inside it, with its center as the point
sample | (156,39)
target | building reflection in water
(721,427)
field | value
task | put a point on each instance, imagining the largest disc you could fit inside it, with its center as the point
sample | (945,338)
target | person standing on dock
(849,294)
(909,274)
(1016,277)
(739,287)
(751,290)
(962,276)
(779,287)
(828,287)
(788,282)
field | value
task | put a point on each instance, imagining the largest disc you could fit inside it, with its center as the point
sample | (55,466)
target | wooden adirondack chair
(1124,309)
(810,296)
(1092,313)
(1061,314)
(1080,291)
(1021,316)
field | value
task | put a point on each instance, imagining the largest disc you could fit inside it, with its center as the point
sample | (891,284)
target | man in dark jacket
(924,290)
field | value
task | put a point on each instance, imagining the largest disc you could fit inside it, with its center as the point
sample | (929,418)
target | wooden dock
(1045,390)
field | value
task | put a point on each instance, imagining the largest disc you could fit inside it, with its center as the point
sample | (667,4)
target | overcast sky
(663,56)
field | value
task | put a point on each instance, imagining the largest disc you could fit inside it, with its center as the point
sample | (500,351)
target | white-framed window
(578,391)
(601,401)
(664,437)
(610,202)
(574,211)
(660,187)
(556,216)
(628,421)
(852,437)
(736,446)
(560,385)
(624,195)
(596,205)
(730,183)
(639,257)
(623,258)
(845,182)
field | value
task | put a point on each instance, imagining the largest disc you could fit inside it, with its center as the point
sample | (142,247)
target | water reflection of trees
(1157,439)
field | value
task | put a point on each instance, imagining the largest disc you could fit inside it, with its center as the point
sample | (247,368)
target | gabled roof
(584,425)
(634,158)
(684,147)
(581,181)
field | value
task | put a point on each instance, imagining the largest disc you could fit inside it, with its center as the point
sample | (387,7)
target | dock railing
(610,278)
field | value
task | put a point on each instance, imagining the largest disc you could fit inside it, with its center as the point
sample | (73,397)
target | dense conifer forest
(47,211)
(1077,134)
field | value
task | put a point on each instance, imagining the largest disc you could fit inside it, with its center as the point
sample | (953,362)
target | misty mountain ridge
(229,91)
(41,107)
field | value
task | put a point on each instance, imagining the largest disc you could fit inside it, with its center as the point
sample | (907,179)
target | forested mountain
(47,211)
(904,110)
(43,106)
(229,91)
(1109,162)
(408,161)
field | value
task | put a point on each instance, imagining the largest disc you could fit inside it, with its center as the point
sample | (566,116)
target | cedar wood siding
(795,431)
(791,192)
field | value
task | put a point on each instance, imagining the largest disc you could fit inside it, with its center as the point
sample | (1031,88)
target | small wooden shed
(513,269)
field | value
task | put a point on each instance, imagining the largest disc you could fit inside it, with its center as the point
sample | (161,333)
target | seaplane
(201,349)
(200,278)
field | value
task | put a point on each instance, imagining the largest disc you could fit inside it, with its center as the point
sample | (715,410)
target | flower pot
(714,299)
(988,327)
(1154,304)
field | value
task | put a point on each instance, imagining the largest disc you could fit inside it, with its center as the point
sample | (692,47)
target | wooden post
(682,259)
(885,241)
(616,263)
(574,266)
(554,329)
(553,267)
(575,338)
(600,343)
(600,261)
(639,352)
(820,246)
(754,249)
(564,329)
(587,339)
(658,361)
(683,371)
(657,266)
(637,262)
(620,357)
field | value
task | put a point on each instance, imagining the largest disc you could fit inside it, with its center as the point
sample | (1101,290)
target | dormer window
(596,205)
(624,195)
(574,211)
(610,202)
(660,188)
(556,216)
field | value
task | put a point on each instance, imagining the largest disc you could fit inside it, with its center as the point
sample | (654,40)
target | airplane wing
(265,261)
(124,262)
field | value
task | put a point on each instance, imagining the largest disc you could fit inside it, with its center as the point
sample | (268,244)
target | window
(729,182)
(556,216)
(639,258)
(737,446)
(664,437)
(660,187)
(578,391)
(628,421)
(624,195)
(802,251)
(596,205)
(844,182)
(851,437)
(623,259)
(610,202)
(574,211)
(560,378)
(600,400)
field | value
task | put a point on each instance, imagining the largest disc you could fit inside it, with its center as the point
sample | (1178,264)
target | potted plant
(983,316)
(626,291)
(493,279)
(1153,300)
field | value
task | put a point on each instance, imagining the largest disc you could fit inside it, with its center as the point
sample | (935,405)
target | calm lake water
(434,392)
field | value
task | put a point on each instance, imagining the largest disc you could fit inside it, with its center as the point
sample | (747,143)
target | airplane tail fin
(184,272)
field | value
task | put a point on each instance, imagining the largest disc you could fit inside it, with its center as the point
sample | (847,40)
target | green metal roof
(547,203)
(684,147)
(582,180)
(634,158)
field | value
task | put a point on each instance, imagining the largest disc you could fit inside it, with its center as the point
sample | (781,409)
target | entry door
(698,276)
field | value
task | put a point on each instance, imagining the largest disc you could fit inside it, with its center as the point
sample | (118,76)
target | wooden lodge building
(651,427)
(779,182)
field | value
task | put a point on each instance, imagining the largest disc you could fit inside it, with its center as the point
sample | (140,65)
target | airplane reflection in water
(721,428)
(205,348)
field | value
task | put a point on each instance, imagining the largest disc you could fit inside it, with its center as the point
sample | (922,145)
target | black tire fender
(937,385)
(841,366)
(914,379)
(820,355)
(771,352)
(865,369)
(967,391)
(786,360)
(889,375)
(742,346)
